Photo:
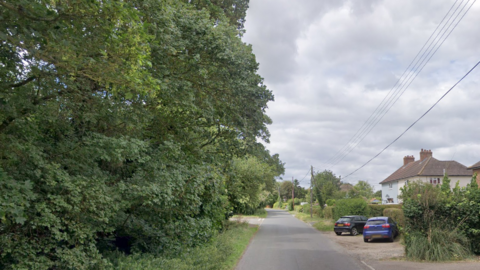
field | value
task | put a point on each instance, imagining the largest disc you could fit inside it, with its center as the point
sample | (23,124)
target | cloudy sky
(330,64)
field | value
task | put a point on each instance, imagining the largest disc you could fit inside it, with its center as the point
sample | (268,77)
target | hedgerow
(433,211)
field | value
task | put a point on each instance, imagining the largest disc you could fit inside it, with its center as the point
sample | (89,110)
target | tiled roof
(475,166)
(428,167)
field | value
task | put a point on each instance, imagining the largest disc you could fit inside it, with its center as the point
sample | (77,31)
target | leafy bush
(330,202)
(428,208)
(317,211)
(376,210)
(329,212)
(396,214)
(290,205)
(297,201)
(441,244)
(261,213)
(299,208)
(350,207)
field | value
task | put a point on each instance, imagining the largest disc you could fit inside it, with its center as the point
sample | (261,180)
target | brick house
(476,169)
(427,169)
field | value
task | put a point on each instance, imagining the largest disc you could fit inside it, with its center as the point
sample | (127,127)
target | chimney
(424,154)
(408,159)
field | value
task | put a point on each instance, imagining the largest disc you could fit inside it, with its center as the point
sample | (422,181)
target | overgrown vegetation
(126,126)
(222,252)
(441,224)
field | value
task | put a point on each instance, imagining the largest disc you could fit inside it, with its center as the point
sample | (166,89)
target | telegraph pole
(311,191)
(293,194)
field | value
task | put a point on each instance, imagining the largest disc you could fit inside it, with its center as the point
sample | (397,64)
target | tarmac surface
(284,242)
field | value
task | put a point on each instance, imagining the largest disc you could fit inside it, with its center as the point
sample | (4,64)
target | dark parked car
(350,224)
(380,228)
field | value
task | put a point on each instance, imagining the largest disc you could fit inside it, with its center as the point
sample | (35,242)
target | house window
(390,185)
(435,181)
(390,200)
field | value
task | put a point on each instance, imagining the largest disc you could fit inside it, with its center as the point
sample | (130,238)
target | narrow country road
(284,242)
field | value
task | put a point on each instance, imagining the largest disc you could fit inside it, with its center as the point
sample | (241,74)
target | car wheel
(365,240)
(391,238)
(338,233)
(354,231)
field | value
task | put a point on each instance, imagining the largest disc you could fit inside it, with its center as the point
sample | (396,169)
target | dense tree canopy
(125,124)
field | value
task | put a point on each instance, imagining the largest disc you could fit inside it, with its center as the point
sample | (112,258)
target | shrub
(350,207)
(376,210)
(329,212)
(330,202)
(290,205)
(297,201)
(396,214)
(317,211)
(442,244)
(262,213)
(298,208)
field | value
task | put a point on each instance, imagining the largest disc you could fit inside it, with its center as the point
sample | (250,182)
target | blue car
(380,228)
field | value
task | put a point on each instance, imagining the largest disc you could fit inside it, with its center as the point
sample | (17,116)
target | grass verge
(222,253)
(260,213)
(319,223)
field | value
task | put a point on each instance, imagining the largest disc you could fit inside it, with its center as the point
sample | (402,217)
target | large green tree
(121,125)
(326,185)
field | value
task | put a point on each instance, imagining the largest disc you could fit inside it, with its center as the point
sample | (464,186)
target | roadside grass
(260,213)
(222,253)
(319,223)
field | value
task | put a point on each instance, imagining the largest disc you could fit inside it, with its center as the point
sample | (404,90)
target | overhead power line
(431,46)
(446,93)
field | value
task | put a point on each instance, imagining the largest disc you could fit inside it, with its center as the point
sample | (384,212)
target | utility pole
(311,192)
(293,194)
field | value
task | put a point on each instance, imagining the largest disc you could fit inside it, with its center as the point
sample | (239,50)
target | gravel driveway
(374,250)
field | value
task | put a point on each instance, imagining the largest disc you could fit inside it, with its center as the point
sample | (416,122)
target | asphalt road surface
(284,242)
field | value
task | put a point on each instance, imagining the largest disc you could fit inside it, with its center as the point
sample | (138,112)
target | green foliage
(378,194)
(350,207)
(441,244)
(324,226)
(376,210)
(125,125)
(286,190)
(329,212)
(316,210)
(221,253)
(326,184)
(299,208)
(428,208)
(330,202)
(362,190)
(291,205)
(396,214)
(261,213)
(247,178)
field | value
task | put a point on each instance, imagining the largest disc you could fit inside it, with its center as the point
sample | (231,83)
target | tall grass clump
(441,244)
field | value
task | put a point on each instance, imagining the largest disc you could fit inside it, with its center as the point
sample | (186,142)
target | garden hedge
(350,207)
(396,214)
(376,210)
